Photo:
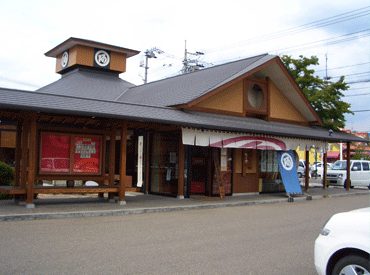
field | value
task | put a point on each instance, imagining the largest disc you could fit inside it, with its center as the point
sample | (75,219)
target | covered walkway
(70,206)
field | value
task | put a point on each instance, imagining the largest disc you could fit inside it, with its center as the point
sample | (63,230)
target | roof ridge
(223,64)
(90,99)
(232,76)
(121,94)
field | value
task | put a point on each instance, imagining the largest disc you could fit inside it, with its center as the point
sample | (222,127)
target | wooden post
(32,161)
(307,176)
(24,158)
(112,162)
(18,153)
(324,171)
(348,179)
(104,157)
(18,156)
(122,168)
(180,183)
(147,164)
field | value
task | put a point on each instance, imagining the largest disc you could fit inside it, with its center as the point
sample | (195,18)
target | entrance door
(200,172)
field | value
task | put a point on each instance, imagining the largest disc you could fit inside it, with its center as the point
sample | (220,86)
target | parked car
(360,173)
(318,170)
(301,169)
(343,246)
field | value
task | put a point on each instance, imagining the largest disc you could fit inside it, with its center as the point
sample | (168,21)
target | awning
(332,155)
(222,139)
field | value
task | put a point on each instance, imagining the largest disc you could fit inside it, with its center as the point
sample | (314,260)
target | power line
(319,23)
(19,82)
(359,111)
(363,33)
(356,95)
(348,66)
(351,74)
(359,81)
(359,88)
(315,42)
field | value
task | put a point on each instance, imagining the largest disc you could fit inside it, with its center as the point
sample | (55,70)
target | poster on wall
(270,160)
(140,161)
(86,155)
(263,160)
(223,159)
(55,153)
(276,163)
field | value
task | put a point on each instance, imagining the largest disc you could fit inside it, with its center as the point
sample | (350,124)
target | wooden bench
(13,190)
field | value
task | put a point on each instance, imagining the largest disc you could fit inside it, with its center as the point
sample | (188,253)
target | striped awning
(221,139)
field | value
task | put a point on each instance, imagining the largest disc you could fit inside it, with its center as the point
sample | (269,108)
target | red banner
(55,153)
(86,155)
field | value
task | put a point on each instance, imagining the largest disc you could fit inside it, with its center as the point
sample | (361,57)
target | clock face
(256,96)
(65,58)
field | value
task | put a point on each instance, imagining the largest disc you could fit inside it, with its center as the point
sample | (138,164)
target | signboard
(69,154)
(55,153)
(86,155)
(288,172)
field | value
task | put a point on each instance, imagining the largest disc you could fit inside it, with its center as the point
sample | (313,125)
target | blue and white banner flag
(288,172)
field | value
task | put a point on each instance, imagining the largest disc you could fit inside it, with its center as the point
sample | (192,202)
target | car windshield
(339,165)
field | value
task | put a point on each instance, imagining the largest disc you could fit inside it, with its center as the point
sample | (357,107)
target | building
(212,131)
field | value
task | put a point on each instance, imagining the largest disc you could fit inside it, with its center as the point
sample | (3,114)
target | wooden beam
(24,163)
(112,160)
(325,170)
(180,188)
(307,176)
(32,161)
(122,168)
(18,153)
(348,179)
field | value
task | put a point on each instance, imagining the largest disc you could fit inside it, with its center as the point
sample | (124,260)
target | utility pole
(191,65)
(326,67)
(150,54)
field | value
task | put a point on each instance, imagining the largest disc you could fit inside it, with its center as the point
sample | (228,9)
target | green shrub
(6,178)
(6,174)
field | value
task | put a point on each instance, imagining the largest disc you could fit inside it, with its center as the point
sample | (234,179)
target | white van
(301,169)
(360,173)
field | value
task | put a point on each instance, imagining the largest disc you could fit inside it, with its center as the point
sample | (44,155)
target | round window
(255,96)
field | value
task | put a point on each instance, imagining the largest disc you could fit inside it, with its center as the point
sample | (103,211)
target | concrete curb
(62,215)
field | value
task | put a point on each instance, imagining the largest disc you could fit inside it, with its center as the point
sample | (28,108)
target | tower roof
(69,43)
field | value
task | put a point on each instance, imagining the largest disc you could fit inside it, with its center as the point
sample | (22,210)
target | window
(255,96)
(365,166)
(356,166)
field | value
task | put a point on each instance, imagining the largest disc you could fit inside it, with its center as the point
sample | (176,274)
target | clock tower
(76,52)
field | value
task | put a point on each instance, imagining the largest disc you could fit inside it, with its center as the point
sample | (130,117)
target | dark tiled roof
(185,88)
(86,83)
(34,101)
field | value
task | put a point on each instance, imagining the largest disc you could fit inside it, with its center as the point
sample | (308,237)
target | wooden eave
(77,41)
(190,105)
(302,95)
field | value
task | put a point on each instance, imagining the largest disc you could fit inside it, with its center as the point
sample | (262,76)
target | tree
(323,94)
(361,152)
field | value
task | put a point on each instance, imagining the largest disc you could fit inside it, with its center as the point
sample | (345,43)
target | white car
(360,173)
(343,247)
(301,169)
(318,169)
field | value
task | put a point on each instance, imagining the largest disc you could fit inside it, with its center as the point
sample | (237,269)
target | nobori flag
(288,172)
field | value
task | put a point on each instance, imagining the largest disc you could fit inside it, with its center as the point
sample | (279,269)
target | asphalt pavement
(48,206)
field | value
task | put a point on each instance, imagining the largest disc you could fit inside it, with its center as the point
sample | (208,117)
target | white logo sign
(102,58)
(64,59)
(287,161)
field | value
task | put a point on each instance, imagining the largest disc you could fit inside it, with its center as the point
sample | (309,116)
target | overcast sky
(224,31)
